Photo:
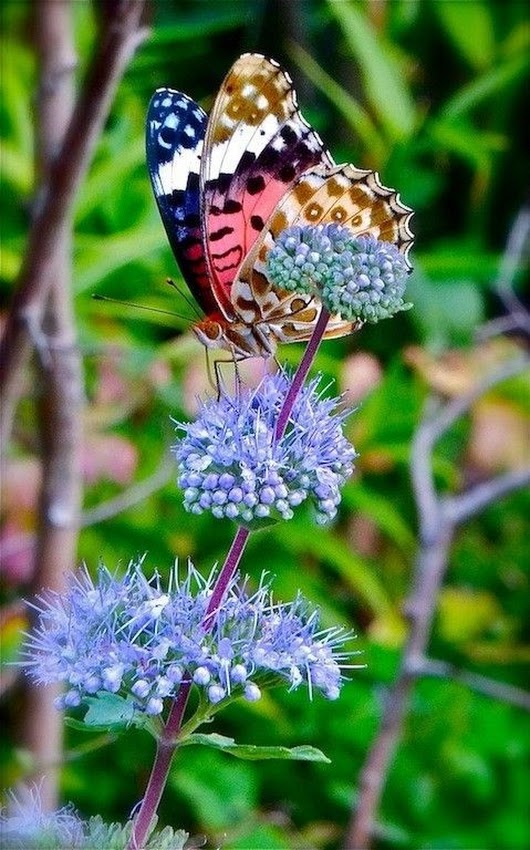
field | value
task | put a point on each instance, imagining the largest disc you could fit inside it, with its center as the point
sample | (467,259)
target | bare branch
(118,42)
(133,496)
(60,382)
(517,248)
(516,251)
(462,507)
(437,421)
(475,681)
(438,519)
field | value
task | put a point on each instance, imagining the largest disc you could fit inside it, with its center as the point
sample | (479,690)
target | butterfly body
(227,185)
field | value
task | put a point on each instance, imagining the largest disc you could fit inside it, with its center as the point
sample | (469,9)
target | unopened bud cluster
(356,277)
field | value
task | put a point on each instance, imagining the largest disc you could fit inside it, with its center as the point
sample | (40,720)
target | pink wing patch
(257,144)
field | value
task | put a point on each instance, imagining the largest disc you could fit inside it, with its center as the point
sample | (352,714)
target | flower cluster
(25,824)
(231,464)
(356,277)
(130,637)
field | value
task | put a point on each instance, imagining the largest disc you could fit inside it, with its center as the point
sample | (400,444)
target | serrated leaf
(253,752)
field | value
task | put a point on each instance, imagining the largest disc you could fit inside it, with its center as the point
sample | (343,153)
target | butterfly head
(240,339)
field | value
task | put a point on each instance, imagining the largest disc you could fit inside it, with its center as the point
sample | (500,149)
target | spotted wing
(257,144)
(342,194)
(175,130)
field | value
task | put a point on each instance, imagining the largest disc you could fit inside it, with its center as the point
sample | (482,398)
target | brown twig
(475,681)
(119,39)
(60,378)
(516,251)
(132,496)
(438,520)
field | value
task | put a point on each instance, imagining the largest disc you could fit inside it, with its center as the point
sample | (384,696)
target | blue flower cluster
(356,277)
(25,823)
(130,637)
(230,463)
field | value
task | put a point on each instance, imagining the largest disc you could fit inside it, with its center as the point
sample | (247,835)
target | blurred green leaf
(385,88)
(356,572)
(471,28)
(223,792)
(213,19)
(16,169)
(448,312)
(490,84)
(105,176)
(346,104)
(98,258)
(466,142)
(382,511)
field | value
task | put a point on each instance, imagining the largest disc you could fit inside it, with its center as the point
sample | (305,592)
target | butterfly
(228,184)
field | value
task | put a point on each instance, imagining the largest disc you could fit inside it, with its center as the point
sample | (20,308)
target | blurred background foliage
(432,94)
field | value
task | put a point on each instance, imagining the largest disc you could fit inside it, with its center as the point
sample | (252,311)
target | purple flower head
(230,464)
(356,277)
(117,645)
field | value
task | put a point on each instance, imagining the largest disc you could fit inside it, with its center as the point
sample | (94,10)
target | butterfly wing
(342,194)
(175,130)
(257,144)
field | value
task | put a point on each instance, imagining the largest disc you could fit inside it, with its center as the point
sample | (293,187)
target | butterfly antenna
(172,313)
(183,294)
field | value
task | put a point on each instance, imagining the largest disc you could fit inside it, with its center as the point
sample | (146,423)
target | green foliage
(250,752)
(432,95)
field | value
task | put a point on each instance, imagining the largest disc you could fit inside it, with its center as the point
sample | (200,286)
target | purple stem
(301,373)
(167,744)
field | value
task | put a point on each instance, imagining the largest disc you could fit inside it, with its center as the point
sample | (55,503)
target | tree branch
(130,497)
(438,518)
(61,385)
(437,421)
(117,44)
(474,681)
(517,247)
(462,507)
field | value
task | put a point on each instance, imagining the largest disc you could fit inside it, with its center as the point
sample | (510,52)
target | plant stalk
(168,742)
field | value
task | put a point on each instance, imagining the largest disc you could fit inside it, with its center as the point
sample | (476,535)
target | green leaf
(470,27)
(382,77)
(356,572)
(97,258)
(447,311)
(109,711)
(490,84)
(252,752)
(105,176)
(201,25)
(345,103)
(465,141)
(357,497)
